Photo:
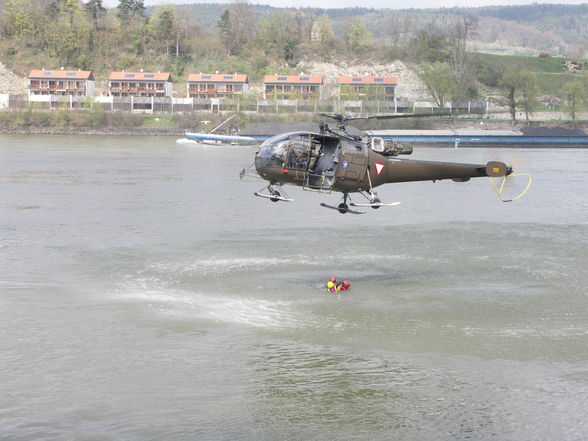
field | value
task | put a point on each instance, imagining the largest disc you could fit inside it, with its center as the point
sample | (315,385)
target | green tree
(237,27)
(225,29)
(528,92)
(322,32)
(24,26)
(510,83)
(357,37)
(348,93)
(322,38)
(164,27)
(68,31)
(53,8)
(129,9)
(574,95)
(17,19)
(279,37)
(430,46)
(439,80)
(95,10)
(84,62)
(520,87)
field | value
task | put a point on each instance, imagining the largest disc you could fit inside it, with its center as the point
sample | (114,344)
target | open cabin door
(323,164)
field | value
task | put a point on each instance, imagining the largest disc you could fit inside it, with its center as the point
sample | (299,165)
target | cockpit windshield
(290,150)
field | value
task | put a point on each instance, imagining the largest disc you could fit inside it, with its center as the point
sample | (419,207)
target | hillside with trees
(444,47)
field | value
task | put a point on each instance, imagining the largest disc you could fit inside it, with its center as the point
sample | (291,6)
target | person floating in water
(344,285)
(334,286)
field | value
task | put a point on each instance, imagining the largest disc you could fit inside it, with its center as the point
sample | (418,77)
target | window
(129,75)
(149,76)
(282,79)
(356,79)
(304,78)
(71,74)
(206,77)
(228,77)
(47,73)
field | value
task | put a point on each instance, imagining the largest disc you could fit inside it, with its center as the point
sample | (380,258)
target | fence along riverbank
(187,105)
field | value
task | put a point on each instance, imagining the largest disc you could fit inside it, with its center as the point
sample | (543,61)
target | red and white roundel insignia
(379,167)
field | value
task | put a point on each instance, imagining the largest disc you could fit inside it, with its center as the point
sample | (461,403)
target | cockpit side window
(299,152)
(290,150)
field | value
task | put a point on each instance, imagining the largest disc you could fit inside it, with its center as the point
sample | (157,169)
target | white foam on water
(365,258)
(186,141)
(218,265)
(221,309)
(226,265)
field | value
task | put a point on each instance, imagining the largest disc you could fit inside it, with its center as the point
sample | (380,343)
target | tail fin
(497,169)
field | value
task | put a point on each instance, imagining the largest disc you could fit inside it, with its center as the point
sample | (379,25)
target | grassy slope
(551,73)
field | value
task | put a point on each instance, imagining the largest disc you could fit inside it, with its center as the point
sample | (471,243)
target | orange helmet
(332,279)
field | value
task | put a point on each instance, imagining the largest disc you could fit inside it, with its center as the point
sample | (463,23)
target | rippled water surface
(146,294)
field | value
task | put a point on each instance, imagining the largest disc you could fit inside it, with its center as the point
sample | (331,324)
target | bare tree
(461,60)
(243,22)
(574,95)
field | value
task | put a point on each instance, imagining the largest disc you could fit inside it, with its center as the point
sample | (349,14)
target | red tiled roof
(149,76)
(62,74)
(293,79)
(367,80)
(218,78)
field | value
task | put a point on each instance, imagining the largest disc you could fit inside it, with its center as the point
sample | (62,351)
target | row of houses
(218,85)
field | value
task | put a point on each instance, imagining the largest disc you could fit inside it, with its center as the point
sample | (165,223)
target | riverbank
(134,125)
(109,131)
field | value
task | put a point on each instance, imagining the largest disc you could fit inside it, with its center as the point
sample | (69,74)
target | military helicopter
(336,160)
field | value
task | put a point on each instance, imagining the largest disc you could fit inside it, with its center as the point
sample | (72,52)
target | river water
(146,294)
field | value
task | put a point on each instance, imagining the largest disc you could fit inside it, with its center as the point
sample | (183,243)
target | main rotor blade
(409,115)
(343,118)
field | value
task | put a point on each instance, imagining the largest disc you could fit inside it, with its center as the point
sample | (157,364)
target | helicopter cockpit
(313,156)
(294,150)
(288,150)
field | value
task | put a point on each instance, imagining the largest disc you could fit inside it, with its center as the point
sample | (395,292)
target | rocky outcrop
(10,82)
(409,88)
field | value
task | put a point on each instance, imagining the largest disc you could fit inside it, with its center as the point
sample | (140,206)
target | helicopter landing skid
(341,209)
(274,195)
(375,204)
